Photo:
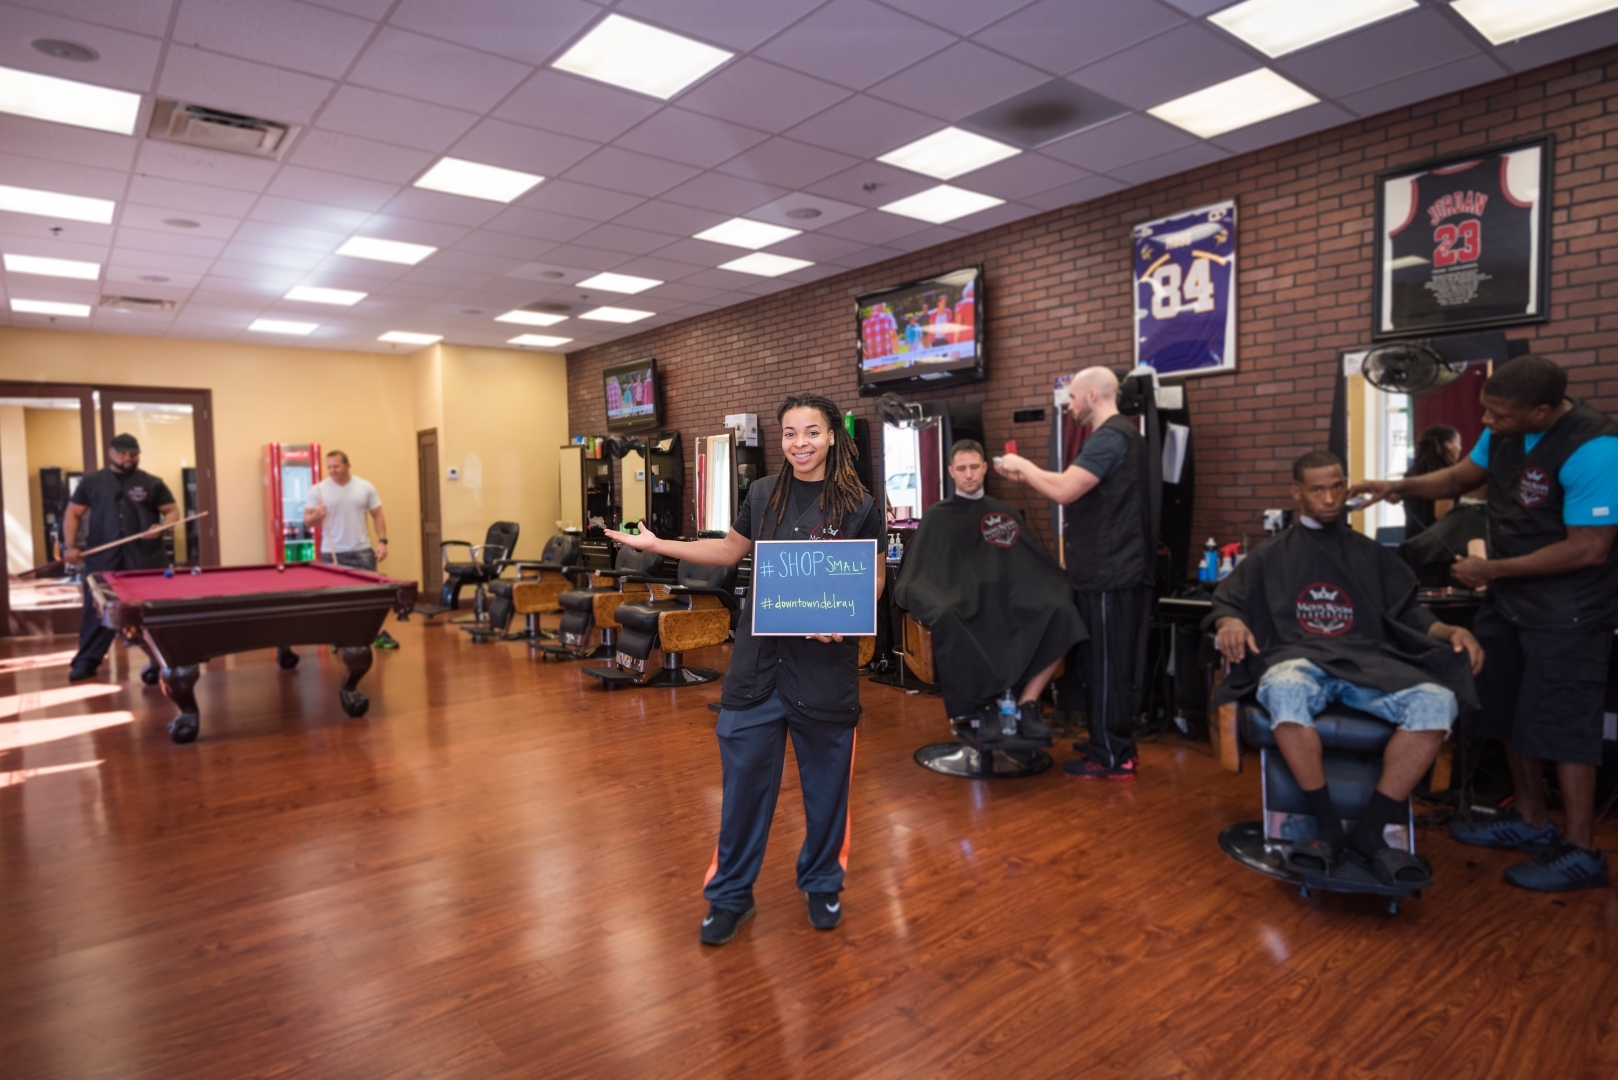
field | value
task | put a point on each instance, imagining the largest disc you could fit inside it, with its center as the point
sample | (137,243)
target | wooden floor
(497,873)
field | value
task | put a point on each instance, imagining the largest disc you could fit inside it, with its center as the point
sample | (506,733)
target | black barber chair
(696,613)
(590,609)
(482,565)
(532,593)
(1352,742)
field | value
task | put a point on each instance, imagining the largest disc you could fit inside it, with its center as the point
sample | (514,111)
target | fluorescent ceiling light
(1278,27)
(946,154)
(283,326)
(624,283)
(539,341)
(635,56)
(765,265)
(68,268)
(21,200)
(1234,103)
(617,315)
(63,101)
(458,177)
(530,318)
(405,337)
(50,307)
(942,203)
(393,251)
(314,294)
(739,232)
(1507,20)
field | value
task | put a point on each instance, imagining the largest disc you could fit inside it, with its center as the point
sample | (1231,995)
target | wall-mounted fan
(1407,367)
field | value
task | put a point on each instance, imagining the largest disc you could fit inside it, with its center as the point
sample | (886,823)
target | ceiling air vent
(1044,114)
(214,129)
(136,303)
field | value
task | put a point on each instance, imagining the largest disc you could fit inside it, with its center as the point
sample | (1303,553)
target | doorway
(175,430)
(432,526)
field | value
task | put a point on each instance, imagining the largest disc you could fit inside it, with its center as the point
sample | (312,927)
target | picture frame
(1184,274)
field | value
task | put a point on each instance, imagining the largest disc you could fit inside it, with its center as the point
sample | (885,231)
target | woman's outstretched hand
(641,541)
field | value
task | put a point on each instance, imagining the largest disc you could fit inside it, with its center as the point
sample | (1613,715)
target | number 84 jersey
(1185,271)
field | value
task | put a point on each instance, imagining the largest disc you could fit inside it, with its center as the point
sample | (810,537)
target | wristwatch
(381,539)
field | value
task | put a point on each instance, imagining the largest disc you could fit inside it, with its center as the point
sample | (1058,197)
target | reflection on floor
(37,594)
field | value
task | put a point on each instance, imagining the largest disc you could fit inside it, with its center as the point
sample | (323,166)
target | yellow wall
(18,499)
(55,440)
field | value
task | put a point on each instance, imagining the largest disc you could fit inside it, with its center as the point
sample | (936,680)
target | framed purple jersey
(1463,242)
(1185,292)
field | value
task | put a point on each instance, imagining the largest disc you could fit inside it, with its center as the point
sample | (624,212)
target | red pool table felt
(140,586)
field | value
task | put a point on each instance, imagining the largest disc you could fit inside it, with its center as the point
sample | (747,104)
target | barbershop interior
(1155,461)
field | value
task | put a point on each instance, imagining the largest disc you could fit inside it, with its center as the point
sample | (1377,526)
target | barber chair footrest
(613,676)
(959,759)
(563,652)
(483,634)
(1245,843)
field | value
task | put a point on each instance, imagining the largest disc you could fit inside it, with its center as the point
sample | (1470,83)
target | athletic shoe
(721,925)
(80,672)
(825,910)
(1030,724)
(384,640)
(1561,869)
(1508,830)
(1089,769)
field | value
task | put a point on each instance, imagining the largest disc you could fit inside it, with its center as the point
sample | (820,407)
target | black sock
(1367,838)
(1329,825)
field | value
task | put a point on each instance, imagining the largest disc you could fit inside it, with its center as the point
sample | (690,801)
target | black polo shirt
(120,505)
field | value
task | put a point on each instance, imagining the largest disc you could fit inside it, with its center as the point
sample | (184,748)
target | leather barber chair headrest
(711,577)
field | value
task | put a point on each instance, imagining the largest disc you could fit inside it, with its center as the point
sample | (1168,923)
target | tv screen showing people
(923,330)
(631,395)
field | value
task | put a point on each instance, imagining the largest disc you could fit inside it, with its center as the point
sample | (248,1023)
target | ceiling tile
(571,105)
(581,200)
(977,79)
(622,240)
(1061,35)
(236,85)
(365,9)
(726,194)
(128,61)
(216,226)
(342,265)
(440,207)
(410,231)
(875,227)
(1200,7)
(761,95)
(733,24)
(779,212)
(73,145)
(520,29)
(1070,194)
(927,237)
(198,167)
(961,16)
(129,282)
(1291,126)
(506,245)
(179,195)
(1434,82)
(659,268)
(513,146)
(689,252)
(371,114)
(351,155)
(1025,174)
(688,137)
(680,292)
(296,182)
(279,32)
(583,258)
(1394,47)
(1119,142)
(162,261)
(1596,32)
(289,237)
(670,218)
(855,43)
(1187,58)
(168,242)
(33,227)
(535,225)
(886,184)
(623,170)
(816,247)
(307,215)
(1175,161)
(864,127)
(55,247)
(788,163)
(415,66)
(149,17)
(468,262)
(53,176)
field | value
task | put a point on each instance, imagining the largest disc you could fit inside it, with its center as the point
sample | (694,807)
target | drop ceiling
(795,121)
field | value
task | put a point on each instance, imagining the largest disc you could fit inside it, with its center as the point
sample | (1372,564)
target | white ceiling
(817,91)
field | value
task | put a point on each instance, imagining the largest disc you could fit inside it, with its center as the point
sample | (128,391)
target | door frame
(432,563)
(201,402)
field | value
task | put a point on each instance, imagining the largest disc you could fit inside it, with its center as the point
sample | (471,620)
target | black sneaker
(721,925)
(825,910)
(1563,868)
(1030,723)
(80,672)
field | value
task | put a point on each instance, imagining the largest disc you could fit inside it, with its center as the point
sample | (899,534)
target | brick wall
(1059,295)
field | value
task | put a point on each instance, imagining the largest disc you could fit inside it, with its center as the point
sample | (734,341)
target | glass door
(175,430)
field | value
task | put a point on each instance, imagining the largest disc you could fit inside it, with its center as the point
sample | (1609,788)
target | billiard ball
(196,571)
(280,568)
(169,572)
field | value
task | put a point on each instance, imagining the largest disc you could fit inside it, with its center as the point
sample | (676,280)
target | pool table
(190,617)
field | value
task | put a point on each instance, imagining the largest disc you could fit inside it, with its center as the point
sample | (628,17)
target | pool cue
(115,543)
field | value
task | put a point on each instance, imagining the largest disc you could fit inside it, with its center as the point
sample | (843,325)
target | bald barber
(1109,564)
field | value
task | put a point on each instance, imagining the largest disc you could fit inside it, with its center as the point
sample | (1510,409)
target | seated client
(1323,614)
(1000,609)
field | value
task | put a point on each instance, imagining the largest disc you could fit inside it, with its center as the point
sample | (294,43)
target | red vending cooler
(290,470)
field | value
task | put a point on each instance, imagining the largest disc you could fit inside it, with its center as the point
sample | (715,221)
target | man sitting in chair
(999,607)
(1323,614)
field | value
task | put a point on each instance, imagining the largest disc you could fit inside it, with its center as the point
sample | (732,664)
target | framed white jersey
(1185,292)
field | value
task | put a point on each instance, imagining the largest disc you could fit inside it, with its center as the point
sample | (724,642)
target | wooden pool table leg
(358,660)
(179,683)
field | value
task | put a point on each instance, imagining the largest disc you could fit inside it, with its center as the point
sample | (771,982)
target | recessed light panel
(638,57)
(475,181)
(1503,21)
(314,294)
(617,315)
(942,203)
(283,326)
(530,318)
(1234,103)
(68,268)
(405,337)
(946,154)
(764,264)
(50,307)
(20,200)
(63,101)
(739,232)
(393,251)
(622,283)
(539,341)
(1278,27)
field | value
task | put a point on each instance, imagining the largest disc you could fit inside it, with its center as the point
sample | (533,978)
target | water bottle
(1008,714)
(1209,569)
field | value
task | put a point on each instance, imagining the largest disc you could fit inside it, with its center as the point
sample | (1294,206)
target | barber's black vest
(1525,514)
(120,505)
(818,680)
(1108,530)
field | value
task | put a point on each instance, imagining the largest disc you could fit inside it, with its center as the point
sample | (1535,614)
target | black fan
(1407,367)
(896,412)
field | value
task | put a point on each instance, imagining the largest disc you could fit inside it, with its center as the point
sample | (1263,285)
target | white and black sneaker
(825,910)
(721,925)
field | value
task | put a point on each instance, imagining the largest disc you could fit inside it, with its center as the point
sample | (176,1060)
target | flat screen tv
(631,391)
(922,335)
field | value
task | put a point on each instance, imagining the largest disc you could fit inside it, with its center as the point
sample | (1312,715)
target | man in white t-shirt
(338,504)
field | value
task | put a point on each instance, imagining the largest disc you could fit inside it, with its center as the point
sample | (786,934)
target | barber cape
(1343,602)
(999,607)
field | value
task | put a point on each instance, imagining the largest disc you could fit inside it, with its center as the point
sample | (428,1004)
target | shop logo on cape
(1325,610)
(999,529)
(1534,487)
(136,494)
(825,532)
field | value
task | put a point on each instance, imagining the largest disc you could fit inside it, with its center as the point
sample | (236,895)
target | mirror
(571,507)
(913,467)
(716,482)
(636,504)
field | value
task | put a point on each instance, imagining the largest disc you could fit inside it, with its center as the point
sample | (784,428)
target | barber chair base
(960,760)
(1246,844)
(675,674)
(566,652)
(429,610)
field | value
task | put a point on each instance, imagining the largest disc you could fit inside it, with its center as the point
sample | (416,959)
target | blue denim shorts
(1295,691)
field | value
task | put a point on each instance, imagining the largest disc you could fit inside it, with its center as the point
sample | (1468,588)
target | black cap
(125,444)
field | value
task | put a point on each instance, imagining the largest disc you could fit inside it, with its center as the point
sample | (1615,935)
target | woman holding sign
(807,688)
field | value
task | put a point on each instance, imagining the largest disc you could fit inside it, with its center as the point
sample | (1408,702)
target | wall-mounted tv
(631,391)
(922,335)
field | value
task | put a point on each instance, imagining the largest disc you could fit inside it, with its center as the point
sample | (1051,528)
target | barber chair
(696,613)
(532,593)
(482,565)
(590,610)
(1352,742)
(978,752)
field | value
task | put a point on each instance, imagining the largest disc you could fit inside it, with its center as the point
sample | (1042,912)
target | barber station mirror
(635,491)
(914,476)
(716,482)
